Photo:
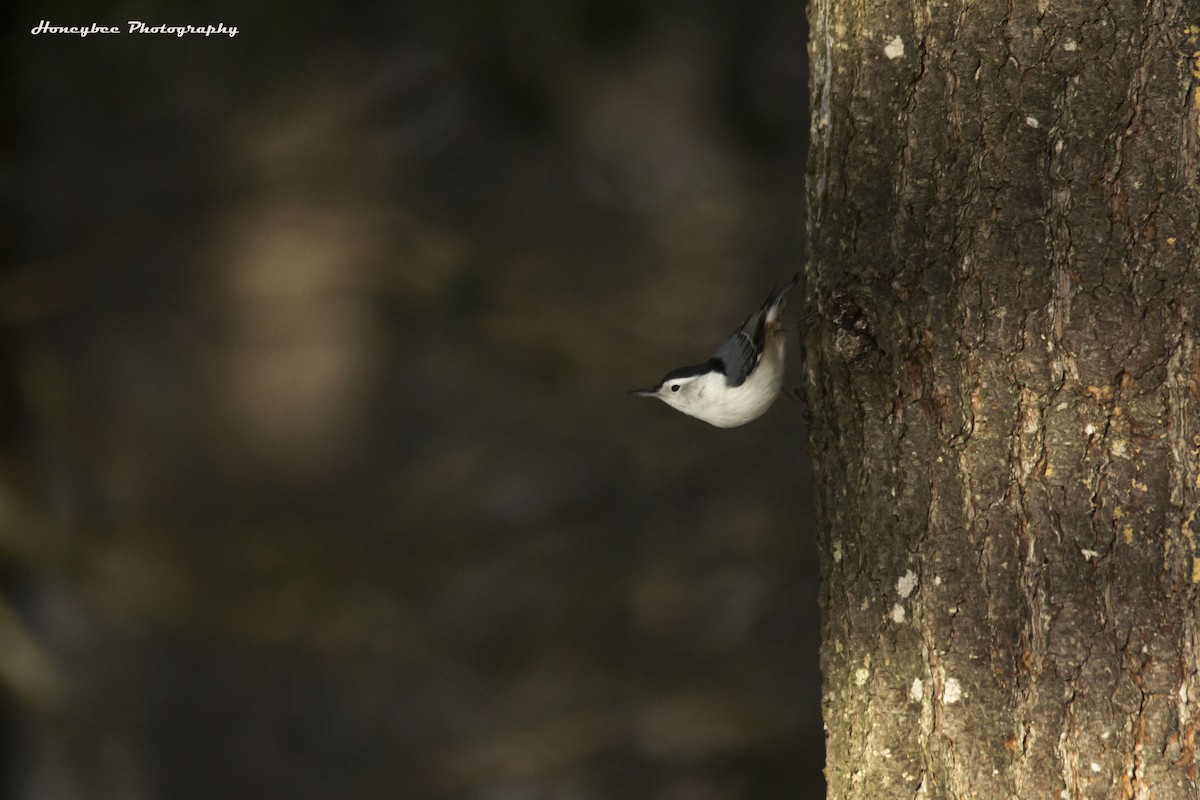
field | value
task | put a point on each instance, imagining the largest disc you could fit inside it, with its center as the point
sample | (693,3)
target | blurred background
(318,477)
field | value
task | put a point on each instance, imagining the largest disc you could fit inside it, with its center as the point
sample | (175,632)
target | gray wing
(739,354)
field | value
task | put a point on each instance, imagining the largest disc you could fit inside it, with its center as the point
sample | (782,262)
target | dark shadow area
(319,475)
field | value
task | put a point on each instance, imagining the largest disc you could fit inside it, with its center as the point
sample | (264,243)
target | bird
(741,380)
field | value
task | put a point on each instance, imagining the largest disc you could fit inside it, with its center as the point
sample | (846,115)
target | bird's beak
(645,392)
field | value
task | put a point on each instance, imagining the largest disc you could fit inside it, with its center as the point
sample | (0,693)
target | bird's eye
(675,388)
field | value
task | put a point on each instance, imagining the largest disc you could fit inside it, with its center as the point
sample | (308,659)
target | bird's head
(682,388)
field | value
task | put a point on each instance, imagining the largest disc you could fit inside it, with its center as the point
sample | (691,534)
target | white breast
(729,406)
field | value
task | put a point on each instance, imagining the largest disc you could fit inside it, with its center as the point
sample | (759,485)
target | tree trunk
(1003,213)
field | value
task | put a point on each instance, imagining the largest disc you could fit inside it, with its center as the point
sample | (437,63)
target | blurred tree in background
(319,479)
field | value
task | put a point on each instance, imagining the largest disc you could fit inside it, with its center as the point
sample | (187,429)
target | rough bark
(1003,211)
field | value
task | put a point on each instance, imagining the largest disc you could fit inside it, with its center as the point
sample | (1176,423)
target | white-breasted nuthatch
(742,378)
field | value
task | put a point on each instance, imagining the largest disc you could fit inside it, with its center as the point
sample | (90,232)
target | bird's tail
(777,299)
